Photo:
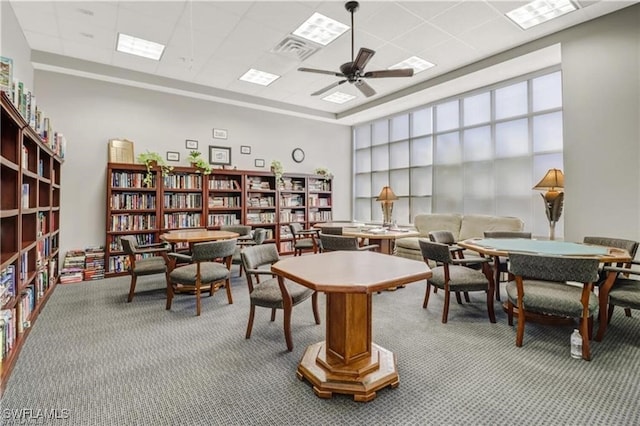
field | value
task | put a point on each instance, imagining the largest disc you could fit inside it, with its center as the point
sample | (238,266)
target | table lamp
(553,183)
(387,197)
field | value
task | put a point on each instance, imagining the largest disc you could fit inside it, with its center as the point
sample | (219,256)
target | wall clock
(297,155)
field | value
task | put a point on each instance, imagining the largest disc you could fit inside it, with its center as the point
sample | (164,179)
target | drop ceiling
(210,44)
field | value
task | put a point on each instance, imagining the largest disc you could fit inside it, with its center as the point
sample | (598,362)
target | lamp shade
(553,180)
(387,195)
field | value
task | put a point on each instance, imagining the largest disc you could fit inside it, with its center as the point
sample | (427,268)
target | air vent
(295,47)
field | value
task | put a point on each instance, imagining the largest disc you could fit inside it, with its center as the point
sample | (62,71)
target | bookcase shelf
(187,199)
(29,231)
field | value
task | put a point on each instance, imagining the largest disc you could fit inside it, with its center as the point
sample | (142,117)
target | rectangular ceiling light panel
(320,29)
(539,11)
(259,77)
(139,47)
(338,98)
(418,64)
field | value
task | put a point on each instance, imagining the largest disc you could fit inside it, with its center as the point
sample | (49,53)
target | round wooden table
(198,236)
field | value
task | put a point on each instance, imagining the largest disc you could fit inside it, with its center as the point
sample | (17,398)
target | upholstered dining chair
(204,273)
(540,287)
(303,239)
(625,290)
(181,252)
(330,242)
(243,231)
(155,260)
(452,275)
(259,235)
(457,252)
(332,230)
(272,292)
(503,262)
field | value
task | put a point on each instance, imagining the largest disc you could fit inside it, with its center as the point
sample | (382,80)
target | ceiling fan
(353,71)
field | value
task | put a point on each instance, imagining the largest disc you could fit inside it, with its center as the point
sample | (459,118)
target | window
(477,153)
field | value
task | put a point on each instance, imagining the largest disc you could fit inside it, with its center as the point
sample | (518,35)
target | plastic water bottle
(576,344)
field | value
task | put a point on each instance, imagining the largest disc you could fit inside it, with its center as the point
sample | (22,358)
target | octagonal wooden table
(348,362)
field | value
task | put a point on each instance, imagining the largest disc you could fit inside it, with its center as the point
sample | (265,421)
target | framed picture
(245,149)
(219,133)
(191,144)
(173,156)
(259,162)
(220,155)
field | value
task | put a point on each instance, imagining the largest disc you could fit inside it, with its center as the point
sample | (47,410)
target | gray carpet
(103,361)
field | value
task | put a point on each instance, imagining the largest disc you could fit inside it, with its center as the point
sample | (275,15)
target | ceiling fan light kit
(353,72)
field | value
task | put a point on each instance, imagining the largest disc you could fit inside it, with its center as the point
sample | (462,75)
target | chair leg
(228,288)
(520,331)
(445,309)
(458,298)
(314,304)
(132,288)
(426,295)
(169,295)
(273,314)
(287,329)
(510,312)
(627,312)
(610,313)
(198,299)
(252,312)
(492,313)
(584,332)
(466,297)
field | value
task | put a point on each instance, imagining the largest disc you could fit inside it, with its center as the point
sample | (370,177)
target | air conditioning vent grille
(292,46)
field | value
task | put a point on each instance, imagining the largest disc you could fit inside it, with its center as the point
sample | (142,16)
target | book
(25,195)
(6,75)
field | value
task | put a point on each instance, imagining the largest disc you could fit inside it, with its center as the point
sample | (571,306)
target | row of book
(132,200)
(129,180)
(224,184)
(25,102)
(222,219)
(181,181)
(182,220)
(182,201)
(133,222)
(7,284)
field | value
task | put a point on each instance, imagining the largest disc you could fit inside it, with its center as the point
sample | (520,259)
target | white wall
(13,45)
(90,112)
(601,95)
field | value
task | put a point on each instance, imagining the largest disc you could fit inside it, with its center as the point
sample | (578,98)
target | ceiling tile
(98,14)
(85,33)
(390,13)
(464,16)
(87,52)
(134,24)
(421,38)
(38,41)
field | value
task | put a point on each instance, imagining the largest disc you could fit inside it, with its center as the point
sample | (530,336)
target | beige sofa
(462,227)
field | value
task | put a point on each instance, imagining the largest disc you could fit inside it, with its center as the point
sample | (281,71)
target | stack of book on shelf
(72,267)
(94,263)
(7,332)
(7,284)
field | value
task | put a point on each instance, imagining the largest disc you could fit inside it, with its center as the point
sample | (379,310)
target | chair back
(507,234)
(255,256)
(212,250)
(259,235)
(129,244)
(554,268)
(628,245)
(332,230)
(241,230)
(438,252)
(338,242)
(295,228)
(444,237)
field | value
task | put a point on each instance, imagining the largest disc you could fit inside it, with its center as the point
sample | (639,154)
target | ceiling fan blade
(363,58)
(365,88)
(337,74)
(404,72)
(329,87)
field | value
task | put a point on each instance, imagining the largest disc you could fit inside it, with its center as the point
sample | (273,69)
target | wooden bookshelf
(186,199)
(29,230)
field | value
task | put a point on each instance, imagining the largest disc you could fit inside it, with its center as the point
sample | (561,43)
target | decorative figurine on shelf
(196,160)
(324,172)
(152,160)
(277,169)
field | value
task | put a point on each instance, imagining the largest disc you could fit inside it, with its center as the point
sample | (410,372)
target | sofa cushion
(474,225)
(426,223)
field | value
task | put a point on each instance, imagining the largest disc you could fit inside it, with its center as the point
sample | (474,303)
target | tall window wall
(478,153)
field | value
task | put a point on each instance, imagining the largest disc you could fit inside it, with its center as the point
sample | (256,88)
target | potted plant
(152,160)
(277,169)
(195,157)
(324,172)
